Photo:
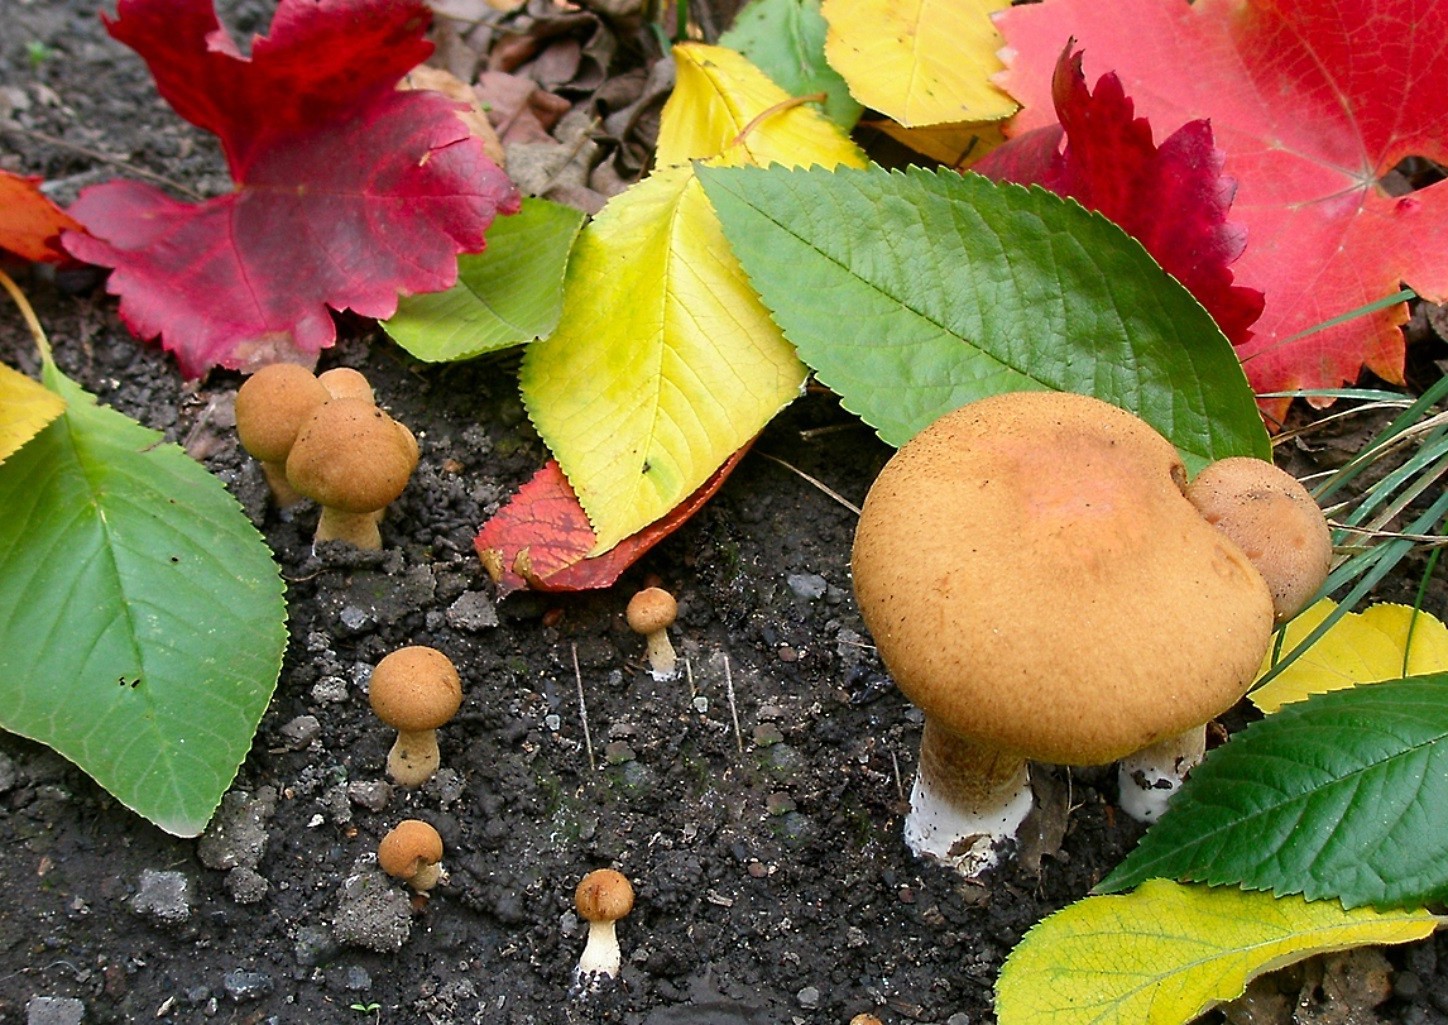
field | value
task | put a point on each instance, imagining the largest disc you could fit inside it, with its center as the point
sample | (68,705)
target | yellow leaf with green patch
(665,362)
(1383,642)
(724,107)
(25,408)
(919,62)
(1167,952)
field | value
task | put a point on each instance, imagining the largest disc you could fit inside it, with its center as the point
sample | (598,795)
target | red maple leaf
(1312,103)
(542,537)
(30,224)
(349,191)
(1171,198)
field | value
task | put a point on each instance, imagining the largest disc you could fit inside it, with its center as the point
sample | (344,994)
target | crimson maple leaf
(349,191)
(30,224)
(1171,198)
(1312,103)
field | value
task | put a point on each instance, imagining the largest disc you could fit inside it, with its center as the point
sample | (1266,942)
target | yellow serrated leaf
(664,363)
(956,145)
(919,62)
(1361,647)
(25,408)
(724,107)
(1168,952)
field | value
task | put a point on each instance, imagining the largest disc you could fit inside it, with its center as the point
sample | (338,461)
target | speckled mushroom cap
(410,846)
(271,406)
(350,456)
(1035,580)
(415,688)
(650,610)
(1270,516)
(604,895)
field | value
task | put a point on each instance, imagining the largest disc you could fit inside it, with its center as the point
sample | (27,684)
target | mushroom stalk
(1148,778)
(358,529)
(967,798)
(414,757)
(601,959)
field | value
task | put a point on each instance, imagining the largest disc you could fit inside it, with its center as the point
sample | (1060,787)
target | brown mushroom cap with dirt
(416,690)
(1039,586)
(412,851)
(271,406)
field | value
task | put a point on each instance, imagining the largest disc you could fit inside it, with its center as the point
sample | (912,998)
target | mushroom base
(414,758)
(357,529)
(1148,778)
(600,962)
(965,801)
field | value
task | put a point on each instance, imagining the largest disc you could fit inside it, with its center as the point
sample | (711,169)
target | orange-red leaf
(541,538)
(30,224)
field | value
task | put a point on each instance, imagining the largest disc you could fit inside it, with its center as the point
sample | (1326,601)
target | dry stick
(689,675)
(583,710)
(733,712)
(895,773)
(817,483)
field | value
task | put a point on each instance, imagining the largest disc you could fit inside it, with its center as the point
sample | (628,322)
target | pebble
(372,913)
(301,731)
(329,690)
(809,997)
(237,835)
(242,985)
(9,776)
(163,896)
(958,1018)
(54,1011)
(472,611)
(245,885)
(811,586)
(372,795)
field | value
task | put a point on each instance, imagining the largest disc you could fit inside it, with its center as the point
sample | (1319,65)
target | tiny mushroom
(271,406)
(354,460)
(412,852)
(415,690)
(651,612)
(602,898)
(346,383)
(1038,585)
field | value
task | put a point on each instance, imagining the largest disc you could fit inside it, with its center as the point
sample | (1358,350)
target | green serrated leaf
(142,620)
(1343,795)
(509,294)
(911,294)
(786,40)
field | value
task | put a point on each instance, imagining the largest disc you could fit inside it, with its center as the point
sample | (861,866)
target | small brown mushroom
(412,852)
(271,406)
(415,690)
(651,612)
(602,898)
(346,383)
(353,459)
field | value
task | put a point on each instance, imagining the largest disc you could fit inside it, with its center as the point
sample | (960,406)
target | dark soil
(756,806)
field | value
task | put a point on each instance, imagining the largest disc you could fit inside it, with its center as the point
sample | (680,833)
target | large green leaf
(142,621)
(913,293)
(510,293)
(1342,795)
(786,40)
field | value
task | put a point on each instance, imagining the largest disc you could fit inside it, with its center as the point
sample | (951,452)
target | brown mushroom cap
(1035,580)
(411,846)
(415,688)
(651,610)
(604,895)
(346,383)
(350,456)
(271,406)
(1274,520)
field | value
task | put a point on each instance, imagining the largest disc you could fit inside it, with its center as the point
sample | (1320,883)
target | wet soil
(756,804)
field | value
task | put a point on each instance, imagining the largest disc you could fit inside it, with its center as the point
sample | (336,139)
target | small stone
(472,611)
(357,979)
(766,734)
(958,1018)
(9,775)
(237,835)
(779,804)
(616,752)
(372,795)
(246,885)
(810,586)
(701,704)
(313,945)
(329,690)
(54,1011)
(301,731)
(163,896)
(809,997)
(371,913)
(242,985)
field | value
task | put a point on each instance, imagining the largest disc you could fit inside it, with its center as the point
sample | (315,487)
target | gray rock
(163,896)
(372,913)
(301,731)
(54,1011)
(237,835)
(472,611)
(242,985)
(329,690)
(9,775)
(313,945)
(811,586)
(370,794)
(245,885)
(809,997)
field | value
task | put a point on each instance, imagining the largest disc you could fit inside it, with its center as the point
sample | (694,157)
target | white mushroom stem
(1148,778)
(966,799)
(663,662)
(414,757)
(427,877)
(601,957)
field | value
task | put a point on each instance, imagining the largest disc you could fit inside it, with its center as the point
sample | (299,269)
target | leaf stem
(778,108)
(28,313)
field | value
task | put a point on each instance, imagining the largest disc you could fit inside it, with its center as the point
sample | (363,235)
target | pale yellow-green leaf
(724,107)
(664,362)
(1361,647)
(921,62)
(1167,952)
(25,408)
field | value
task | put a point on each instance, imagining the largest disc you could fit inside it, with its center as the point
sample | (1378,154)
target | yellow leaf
(1167,952)
(921,62)
(664,362)
(724,107)
(955,145)
(25,408)
(1361,647)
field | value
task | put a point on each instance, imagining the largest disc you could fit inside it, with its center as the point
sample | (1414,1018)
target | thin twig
(733,712)
(689,675)
(817,483)
(583,710)
(895,774)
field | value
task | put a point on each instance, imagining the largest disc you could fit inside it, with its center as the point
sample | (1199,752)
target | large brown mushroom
(415,690)
(271,406)
(1039,586)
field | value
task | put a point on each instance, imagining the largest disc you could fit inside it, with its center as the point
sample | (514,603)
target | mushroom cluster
(323,437)
(1038,583)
